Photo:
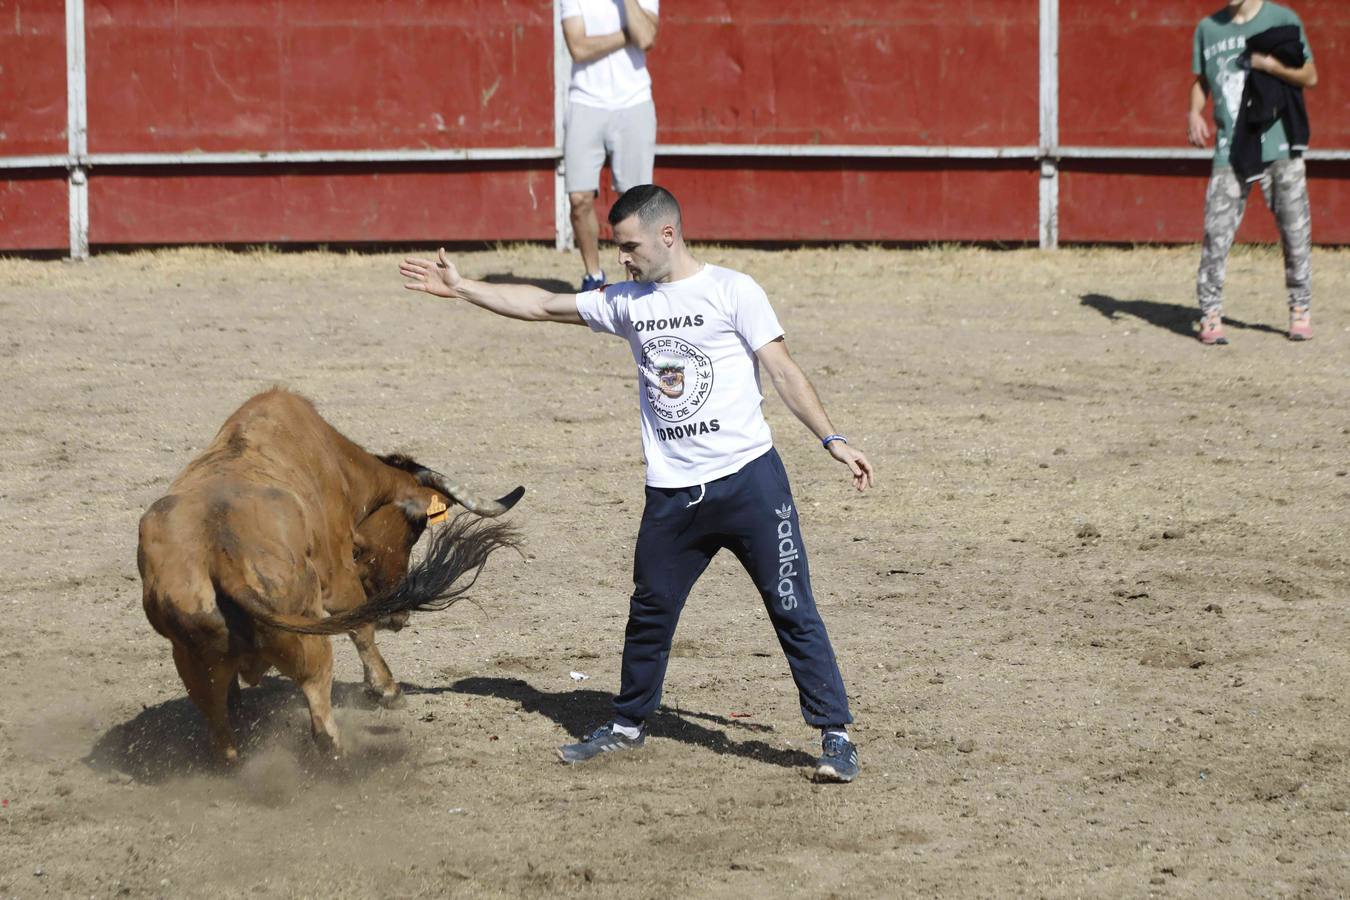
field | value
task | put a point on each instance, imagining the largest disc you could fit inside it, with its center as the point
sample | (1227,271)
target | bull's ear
(402,462)
(414,510)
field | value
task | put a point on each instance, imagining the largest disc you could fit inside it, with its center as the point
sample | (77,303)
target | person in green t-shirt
(1220,63)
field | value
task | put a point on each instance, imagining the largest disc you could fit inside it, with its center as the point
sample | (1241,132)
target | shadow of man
(576,710)
(552,285)
(1177,318)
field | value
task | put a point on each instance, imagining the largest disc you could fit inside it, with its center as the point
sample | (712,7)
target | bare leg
(586,229)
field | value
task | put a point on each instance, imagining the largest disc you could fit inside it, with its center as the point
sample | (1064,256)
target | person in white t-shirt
(609,110)
(699,334)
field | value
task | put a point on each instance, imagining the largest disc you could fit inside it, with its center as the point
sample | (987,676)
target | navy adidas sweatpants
(750,513)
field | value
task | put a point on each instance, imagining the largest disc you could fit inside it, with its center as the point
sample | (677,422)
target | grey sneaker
(602,740)
(838,759)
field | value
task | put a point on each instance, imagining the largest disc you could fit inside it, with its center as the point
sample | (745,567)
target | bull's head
(383,545)
(385,538)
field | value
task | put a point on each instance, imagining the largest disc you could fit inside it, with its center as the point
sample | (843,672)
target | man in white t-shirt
(609,110)
(699,334)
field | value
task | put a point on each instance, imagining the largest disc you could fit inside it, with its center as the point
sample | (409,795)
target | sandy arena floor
(1093,619)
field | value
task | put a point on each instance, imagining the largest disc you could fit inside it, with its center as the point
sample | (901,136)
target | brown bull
(279,521)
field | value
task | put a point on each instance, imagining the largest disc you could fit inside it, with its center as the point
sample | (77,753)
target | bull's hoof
(395,700)
(327,745)
(395,622)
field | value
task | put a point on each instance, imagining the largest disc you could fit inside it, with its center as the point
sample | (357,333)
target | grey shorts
(626,136)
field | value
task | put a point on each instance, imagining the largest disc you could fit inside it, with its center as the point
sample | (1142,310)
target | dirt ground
(1093,619)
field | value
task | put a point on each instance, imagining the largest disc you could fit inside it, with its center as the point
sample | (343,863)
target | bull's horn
(487,508)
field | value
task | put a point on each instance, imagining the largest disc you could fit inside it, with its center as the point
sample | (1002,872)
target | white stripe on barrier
(1048,193)
(562,77)
(749,151)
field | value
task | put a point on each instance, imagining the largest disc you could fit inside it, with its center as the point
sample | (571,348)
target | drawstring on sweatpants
(702,489)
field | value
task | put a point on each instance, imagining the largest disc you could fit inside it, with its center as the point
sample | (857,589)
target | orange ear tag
(437,511)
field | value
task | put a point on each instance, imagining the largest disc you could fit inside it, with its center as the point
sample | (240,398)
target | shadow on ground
(552,285)
(170,740)
(578,710)
(1177,318)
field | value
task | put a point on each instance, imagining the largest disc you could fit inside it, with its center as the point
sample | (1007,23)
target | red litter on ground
(741,715)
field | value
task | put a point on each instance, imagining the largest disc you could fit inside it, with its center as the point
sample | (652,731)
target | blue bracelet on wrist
(829,438)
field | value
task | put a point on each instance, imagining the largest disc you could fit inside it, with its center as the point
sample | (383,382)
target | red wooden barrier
(316,204)
(866,72)
(33,75)
(33,210)
(318,74)
(279,75)
(1125,70)
(902,200)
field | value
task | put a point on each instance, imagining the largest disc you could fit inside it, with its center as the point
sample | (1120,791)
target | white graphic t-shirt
(616,80)
(694,341)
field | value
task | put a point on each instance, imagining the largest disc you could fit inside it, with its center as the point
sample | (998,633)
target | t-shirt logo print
(670,375)
(1231,80)
(676,376)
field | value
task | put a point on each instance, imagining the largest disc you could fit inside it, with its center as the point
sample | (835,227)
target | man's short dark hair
(651,203)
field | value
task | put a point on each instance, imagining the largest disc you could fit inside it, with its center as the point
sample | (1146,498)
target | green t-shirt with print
(1217,49)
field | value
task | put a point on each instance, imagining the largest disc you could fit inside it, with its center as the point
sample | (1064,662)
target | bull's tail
(453,562)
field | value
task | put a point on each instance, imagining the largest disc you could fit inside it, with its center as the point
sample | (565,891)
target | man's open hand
(439,278)
(857,464)
(1197,129)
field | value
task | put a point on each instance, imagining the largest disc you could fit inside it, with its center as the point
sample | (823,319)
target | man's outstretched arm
(800,396)
(526,302)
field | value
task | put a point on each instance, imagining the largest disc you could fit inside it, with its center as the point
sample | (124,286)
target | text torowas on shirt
(694,342)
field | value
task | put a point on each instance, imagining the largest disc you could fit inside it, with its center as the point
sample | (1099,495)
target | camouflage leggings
(1285,187)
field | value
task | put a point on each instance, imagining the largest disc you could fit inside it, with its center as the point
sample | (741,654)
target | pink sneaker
(1211,328)
(1300,324)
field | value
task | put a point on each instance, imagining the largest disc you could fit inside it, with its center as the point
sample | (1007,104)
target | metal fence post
(1049,127)
(562,76)
(77,130)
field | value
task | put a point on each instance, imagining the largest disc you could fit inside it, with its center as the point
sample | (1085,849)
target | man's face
(643,251)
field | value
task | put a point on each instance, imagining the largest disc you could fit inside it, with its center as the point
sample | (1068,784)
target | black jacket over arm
(1266,99)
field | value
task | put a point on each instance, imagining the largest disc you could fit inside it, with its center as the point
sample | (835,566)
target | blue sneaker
(592,282)
(602,740)
(838,759)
